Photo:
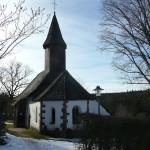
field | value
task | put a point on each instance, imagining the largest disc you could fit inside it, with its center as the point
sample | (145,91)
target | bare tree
(126,33)
(18,24)
(14,77)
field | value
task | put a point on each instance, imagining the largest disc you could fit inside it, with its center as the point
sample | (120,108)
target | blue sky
(79,23)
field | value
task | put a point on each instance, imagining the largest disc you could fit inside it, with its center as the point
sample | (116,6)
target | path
(19,131)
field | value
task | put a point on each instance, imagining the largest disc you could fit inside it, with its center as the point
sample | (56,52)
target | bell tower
(55,47)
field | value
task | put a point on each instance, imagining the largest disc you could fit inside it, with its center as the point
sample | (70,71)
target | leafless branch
(14,77)
(18,24)
(127,35)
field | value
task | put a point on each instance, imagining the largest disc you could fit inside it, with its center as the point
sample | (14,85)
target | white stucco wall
(34,118)
(48,117)
(81,104)
(93,108)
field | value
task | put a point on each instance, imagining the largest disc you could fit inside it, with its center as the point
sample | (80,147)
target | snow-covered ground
(16,143)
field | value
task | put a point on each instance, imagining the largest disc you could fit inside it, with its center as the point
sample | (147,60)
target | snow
(17,143)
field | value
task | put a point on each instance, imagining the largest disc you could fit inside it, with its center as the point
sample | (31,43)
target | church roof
(65,87)
(54,35)
(54,87)
(31,87)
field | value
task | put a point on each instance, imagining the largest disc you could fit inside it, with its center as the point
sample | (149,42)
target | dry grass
(22,132)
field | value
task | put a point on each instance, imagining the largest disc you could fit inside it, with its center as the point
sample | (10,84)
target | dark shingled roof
(65,87)
(50,86)
(31,87)
(54,35)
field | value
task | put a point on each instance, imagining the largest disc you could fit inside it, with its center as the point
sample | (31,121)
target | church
(54,98)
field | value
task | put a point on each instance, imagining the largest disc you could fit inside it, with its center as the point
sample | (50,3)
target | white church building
(54,98)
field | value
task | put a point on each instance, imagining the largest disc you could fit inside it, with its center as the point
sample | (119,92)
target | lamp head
(98,90)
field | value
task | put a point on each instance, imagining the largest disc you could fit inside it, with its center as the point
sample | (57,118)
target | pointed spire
(54,35)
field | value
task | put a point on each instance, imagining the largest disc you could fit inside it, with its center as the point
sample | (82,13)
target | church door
(21,114)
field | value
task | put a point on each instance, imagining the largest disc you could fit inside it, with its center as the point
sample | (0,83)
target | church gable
(65,87)
(75,91)
(47,81)
(54,91)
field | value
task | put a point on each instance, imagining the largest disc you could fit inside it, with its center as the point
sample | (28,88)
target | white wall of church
(49,105)
(82,105)
(93,107)
(57,105)
(34,109)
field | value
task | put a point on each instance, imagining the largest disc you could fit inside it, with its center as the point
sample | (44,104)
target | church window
(75,115)
(53,116)
(36,114)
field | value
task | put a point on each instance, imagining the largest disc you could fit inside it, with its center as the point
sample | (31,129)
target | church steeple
(54,35)
(54,45)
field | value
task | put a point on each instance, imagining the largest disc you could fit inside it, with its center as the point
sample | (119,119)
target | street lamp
(98,93)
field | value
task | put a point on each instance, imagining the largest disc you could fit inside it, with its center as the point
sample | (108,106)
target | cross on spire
(54,3)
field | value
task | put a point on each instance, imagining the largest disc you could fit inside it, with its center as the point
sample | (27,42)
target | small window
(75,115)
(53,116)
(36,115)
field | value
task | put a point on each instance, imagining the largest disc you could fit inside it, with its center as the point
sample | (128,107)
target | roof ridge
(50,86)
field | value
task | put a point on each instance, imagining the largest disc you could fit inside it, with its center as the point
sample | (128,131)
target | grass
(8,126)
(25,132)
(34,134)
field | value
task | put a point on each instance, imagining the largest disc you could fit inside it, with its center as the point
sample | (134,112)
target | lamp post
(98,93)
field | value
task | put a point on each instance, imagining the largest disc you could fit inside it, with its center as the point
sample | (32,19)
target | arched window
(75,115)
(53,116)
(36,114)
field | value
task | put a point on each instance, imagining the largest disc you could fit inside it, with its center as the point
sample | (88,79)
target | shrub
(103,133)
(2,137)
(3,117)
